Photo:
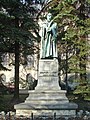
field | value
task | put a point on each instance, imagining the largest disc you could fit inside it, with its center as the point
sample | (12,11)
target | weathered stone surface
(48,75)
(47,98)
(46,112)
(48,68)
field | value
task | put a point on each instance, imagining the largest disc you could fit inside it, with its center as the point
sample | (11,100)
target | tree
(17,32)
(73,28)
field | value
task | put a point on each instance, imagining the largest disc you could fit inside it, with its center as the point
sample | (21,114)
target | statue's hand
(49,30)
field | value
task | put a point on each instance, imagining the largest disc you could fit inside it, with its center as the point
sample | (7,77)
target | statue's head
(49,17)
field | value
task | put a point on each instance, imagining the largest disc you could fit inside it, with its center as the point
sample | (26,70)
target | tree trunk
(83,68)
(66,69)
(16,93)
(83,58)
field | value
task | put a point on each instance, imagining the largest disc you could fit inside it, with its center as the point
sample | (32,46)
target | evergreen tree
(18,32)
(73,28)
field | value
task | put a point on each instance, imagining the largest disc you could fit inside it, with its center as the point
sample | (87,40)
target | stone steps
(65,106)
(41,102)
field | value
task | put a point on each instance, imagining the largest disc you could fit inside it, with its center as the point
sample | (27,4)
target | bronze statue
(49,38)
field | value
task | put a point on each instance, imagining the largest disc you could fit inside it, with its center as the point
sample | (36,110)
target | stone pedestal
(47,98)
(48,75)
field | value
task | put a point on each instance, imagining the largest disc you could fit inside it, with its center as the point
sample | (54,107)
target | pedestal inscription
(48,68)
(48,75)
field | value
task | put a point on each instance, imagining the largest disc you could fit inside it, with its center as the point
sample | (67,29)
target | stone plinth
(47,98)
(48,75)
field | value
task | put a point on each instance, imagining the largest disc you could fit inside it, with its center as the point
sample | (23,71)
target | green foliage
(73,29)
(18,32)
(16,24)
(88,1)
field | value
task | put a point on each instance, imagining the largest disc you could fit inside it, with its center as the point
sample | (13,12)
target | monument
(47,98)
(49,38)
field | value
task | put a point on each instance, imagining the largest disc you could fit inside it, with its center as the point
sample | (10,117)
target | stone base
(46,104)
(47,98)
(47,113)
(25,109)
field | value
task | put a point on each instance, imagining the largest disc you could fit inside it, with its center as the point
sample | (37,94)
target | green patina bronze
(49,38)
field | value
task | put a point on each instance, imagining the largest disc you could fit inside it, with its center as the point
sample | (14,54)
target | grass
(83,104)
(6,103)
